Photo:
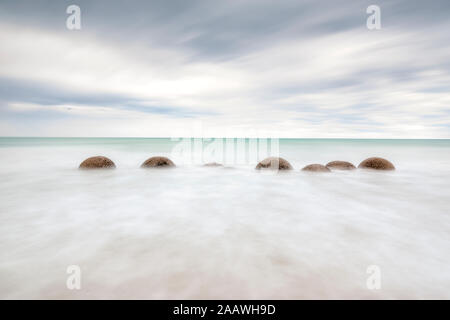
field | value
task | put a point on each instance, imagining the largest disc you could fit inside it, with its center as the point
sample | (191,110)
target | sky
(228,68)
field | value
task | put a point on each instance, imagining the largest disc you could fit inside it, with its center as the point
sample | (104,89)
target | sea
(229,232)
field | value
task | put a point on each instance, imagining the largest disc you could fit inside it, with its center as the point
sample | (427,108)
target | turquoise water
(28,141)
(315,150)
(130,152)
(234,232)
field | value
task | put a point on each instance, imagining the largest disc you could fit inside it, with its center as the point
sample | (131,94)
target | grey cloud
(225,31)
(25,91)
(221,29)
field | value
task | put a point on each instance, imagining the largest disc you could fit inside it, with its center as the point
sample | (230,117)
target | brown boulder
(274,163)
(340,165)
(158,162)
(316,168)
(98,162)
(213,164)
(377,164)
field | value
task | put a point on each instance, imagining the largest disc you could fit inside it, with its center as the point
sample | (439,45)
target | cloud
(291,69)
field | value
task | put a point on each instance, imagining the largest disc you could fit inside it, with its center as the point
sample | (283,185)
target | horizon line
(214,137)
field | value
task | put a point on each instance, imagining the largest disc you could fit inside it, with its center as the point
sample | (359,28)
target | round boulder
(377,164)
(98,162)
(158,162)
(274,163)
(340,165)
(213,164)
(316,168)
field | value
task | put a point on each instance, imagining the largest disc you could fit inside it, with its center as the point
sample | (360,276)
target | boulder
(158,162)
(274,163)
(97,162)
(316,168)
(340,165)
(213,164)
(377,164)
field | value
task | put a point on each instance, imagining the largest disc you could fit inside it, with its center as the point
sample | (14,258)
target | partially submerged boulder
(213,164)
(340,165)
(316,168)
(158,162)
(97,162)
(377,164)
(274,163)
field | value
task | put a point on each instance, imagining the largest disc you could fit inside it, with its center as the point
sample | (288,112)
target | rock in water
(377,164)
(213,164)
(98,162)
(316,168)
(340,165)
(274,163)
(158,162)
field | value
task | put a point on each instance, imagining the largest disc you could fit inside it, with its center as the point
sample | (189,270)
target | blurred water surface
(196,232)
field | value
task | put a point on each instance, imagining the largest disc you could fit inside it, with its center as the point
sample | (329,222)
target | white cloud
(355,83)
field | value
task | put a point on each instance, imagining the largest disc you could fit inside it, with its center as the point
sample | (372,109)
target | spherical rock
(316,168)
(274,163)
(340,165)
(98,162)
(377,164)
(213,164)
(158,162)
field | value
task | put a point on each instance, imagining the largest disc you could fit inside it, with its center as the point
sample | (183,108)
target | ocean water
(196,232)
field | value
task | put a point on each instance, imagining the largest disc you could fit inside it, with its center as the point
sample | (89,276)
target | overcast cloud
(232,67)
